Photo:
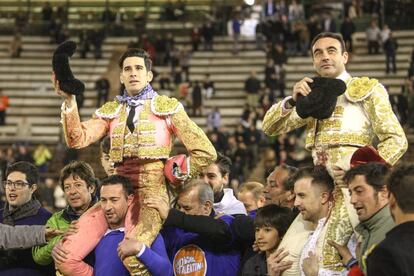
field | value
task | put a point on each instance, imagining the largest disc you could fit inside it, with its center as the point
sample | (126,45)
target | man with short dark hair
(313,198)
(217,176)
(361,116)
(369,197)
(393,256)
(22,208)
(279,187)
(142,126)
(117,194)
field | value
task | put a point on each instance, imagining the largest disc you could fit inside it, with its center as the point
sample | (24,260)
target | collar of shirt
(121,229)
(344,76)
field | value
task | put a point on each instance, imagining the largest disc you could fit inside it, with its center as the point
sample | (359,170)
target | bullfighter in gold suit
(142,126)
(362,116)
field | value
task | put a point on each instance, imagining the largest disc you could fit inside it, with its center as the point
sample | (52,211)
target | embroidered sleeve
(81,134)
(393,142)
(202,152)
(277,122)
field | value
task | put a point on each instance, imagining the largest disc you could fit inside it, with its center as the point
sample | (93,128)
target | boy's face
(19,191)
(267,238)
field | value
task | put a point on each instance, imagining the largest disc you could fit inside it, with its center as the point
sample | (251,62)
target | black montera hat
(321,102)
(61,68)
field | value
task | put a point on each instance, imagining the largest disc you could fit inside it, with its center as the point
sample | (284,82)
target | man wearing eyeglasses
(22,208)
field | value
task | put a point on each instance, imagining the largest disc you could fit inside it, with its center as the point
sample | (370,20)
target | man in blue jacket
(116,197)
(196,241)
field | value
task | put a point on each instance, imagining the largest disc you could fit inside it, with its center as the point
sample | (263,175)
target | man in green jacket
(79,185)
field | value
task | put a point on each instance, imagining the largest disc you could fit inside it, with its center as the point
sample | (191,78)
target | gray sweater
(21,236)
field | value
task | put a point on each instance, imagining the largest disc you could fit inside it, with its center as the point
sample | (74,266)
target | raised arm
(78,134)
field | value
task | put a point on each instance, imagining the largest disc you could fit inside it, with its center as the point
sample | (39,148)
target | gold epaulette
(109,110)
(360,88)
(163,105)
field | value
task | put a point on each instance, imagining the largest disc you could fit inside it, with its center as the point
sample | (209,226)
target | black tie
(130,119)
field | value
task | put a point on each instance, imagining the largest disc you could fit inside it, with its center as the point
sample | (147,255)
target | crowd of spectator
(253,220)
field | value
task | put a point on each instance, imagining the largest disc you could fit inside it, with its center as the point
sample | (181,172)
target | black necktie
(130,119)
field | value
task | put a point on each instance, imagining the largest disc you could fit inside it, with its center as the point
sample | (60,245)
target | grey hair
(205,192)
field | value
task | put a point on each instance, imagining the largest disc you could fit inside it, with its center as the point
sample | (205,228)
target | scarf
(26,210)
(70,215)
(146,94)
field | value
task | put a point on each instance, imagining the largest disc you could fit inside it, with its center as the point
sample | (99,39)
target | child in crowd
(271,223)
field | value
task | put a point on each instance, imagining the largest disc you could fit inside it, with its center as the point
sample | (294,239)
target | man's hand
(65,96)
(301,87)
(59,255)
(286,199)
(342,250)
(338,175)
(310,265)
(219,215)
(72,229)
(129,247)
(160,204)
(275,265)
(50,233)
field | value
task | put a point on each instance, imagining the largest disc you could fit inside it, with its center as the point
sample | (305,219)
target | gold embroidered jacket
(160,120)
(363,114)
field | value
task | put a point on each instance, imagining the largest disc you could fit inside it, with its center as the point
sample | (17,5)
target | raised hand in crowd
(159,204)
(275,263)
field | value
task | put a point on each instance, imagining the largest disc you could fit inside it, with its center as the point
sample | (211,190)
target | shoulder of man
(360,88)
(56,218)
(109,110)
(164,105)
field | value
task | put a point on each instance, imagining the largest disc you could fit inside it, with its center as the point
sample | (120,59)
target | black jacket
(255,266)
(394,255)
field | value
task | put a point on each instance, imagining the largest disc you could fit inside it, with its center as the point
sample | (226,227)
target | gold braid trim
(329,124)
(109,110)
(163,105)
(339,230)
(360,88)
(117,138)
(337,139)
